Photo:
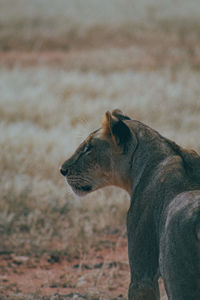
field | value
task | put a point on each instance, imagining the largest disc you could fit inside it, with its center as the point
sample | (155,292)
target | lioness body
(163,221)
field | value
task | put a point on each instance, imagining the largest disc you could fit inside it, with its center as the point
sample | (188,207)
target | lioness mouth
(77,187)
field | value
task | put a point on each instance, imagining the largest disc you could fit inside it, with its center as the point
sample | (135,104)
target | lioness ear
(117,130)
(119,114)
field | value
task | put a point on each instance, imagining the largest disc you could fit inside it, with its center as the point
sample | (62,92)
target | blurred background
(62,65)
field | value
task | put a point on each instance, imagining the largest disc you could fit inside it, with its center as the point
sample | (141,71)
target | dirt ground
(100,275)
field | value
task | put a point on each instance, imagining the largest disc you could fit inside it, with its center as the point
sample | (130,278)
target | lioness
(163,221)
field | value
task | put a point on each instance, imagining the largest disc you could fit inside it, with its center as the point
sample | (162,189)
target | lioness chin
(163,221)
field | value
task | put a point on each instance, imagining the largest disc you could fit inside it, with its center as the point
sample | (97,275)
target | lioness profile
(163,221)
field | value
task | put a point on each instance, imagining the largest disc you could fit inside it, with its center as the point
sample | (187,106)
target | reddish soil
(104,60)
(98,275)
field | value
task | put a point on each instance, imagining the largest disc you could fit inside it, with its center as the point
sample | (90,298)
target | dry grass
(50,100)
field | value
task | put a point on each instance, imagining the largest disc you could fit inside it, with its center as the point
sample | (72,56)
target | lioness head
(104,158)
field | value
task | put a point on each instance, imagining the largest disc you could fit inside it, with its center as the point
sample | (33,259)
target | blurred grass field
(63,64)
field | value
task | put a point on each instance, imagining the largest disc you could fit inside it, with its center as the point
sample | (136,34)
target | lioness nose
(63,171)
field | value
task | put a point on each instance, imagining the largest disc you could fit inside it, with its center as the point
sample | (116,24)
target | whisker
(77,179)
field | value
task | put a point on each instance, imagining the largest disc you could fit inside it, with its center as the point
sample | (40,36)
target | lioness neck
(140,163)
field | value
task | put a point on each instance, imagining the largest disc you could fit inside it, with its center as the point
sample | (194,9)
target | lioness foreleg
(143,262)
(144,291)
